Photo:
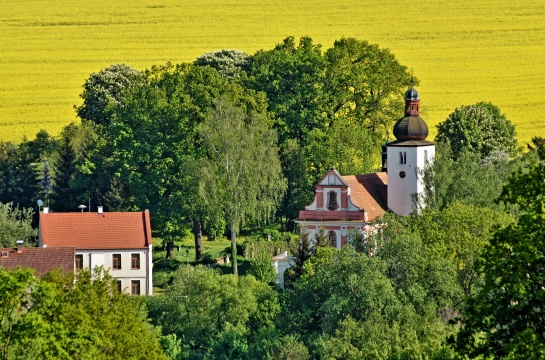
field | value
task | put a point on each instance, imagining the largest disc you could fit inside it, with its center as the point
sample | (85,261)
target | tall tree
(364,83)
(244,179)
(480,128)
(232,64)
(505,318)
(103,91)
(63,197)
(15,224)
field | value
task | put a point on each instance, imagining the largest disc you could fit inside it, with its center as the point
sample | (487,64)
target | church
(342,203)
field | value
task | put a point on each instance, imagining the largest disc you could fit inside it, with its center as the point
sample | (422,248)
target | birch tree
(243,177)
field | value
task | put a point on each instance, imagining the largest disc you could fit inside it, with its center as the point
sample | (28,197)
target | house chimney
(100,210)
(20,246)
(46,210)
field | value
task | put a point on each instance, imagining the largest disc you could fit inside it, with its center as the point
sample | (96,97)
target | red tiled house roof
(95,231)
(369,192)
(42,260)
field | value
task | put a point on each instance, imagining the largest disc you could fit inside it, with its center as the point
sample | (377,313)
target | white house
(119,241)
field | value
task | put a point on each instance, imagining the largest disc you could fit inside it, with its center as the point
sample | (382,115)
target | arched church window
(425,155)
(332,237)
(332,200)
(402,157)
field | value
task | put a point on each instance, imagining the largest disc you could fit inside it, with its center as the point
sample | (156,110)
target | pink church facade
(343,203)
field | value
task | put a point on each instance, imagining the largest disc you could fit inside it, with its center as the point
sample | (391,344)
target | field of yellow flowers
(461,51)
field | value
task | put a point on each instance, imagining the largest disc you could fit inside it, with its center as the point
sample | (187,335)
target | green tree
(15,224)
(64,197)
(244,178)
(364,84)
(459,233)
(21,169)
(505,319)
(467,178)
(292,77)
(67,316)
(151,154)
(231,64)
(480,128)
(213,312)
(345,305)
(103,92)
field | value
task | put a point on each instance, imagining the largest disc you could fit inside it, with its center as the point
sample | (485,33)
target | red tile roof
(94,231)
(40,259)
(369,192)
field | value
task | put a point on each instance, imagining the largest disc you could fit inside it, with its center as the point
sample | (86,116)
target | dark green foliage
(103,92)
(469,178)
(349,305)
(15,224)
(505,318)
(480,128)
(214,313)
(242,175)
(57,317)
(21,170)
(64,198)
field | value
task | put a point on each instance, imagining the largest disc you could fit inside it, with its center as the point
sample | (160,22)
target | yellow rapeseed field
(461,51)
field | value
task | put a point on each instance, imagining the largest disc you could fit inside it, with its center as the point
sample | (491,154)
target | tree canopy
(480,128)
(244,178)
(66,317)
(505,319)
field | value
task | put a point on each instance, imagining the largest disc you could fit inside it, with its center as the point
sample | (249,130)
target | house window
(402,157)
(332,237)
(135,261)
(79,261)
(116,261)
(332,200)
(119,288)
(135,287)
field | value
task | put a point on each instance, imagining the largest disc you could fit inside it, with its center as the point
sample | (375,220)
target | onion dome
(411,126)
(412,94)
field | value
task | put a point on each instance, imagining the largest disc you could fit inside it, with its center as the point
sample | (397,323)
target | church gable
(332,178)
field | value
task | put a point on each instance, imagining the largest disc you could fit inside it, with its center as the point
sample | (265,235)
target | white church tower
(406,156)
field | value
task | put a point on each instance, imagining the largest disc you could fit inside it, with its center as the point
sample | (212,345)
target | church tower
(406,156)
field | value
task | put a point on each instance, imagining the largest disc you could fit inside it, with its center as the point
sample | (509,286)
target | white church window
(332,237)
(332,200)
(402,157)
(425,155)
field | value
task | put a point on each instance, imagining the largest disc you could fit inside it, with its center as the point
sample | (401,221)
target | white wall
(93,258)
(400,189)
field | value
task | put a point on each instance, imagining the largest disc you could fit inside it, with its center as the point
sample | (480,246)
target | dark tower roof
(412,94)
(411,127)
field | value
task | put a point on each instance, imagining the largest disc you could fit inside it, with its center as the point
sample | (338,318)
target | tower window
(426,155)
(332,200)
(402,157)
(332,237)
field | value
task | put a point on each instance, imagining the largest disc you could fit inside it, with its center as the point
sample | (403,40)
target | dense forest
(233,141)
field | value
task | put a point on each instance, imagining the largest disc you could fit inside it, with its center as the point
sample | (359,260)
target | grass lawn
(163,268)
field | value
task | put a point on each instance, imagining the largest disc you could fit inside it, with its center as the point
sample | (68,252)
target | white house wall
(401,190)
(92,258)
